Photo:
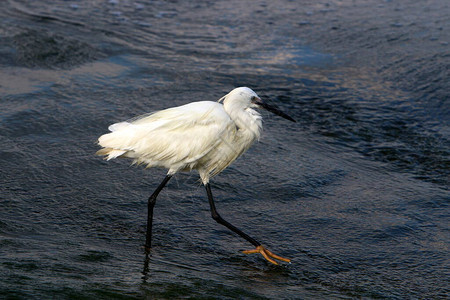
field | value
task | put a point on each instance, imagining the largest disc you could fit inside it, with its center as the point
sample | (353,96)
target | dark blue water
(356,192)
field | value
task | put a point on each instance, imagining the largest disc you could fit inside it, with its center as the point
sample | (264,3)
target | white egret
(206,136)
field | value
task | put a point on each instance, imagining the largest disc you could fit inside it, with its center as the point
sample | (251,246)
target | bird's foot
(267,254)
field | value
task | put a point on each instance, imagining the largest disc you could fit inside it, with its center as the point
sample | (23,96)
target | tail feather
(111,153)
(111,141)
(118,126)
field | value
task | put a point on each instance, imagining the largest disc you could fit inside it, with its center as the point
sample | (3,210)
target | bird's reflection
(146,270)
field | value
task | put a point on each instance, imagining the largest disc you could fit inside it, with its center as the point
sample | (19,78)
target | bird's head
(244,97)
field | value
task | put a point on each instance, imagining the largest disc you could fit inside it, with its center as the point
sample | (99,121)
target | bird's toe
(268,255)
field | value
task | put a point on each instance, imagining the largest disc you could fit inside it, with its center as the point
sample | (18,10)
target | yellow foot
(267,254)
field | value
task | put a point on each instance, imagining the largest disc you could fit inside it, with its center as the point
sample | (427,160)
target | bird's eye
(254,98)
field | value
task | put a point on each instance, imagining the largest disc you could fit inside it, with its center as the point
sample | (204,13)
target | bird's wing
(175,137)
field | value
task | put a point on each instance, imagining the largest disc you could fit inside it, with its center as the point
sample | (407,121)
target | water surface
(355,193)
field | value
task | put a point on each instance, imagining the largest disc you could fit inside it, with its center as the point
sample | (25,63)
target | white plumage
(205,136)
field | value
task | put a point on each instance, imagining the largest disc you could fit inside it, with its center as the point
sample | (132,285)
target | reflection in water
(145,271)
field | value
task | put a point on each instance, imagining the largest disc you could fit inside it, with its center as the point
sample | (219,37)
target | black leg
(215,215)
(151,205)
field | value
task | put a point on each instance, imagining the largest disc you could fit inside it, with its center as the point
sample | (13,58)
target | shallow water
(355,193)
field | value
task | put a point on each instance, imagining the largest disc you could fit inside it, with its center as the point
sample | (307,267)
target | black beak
(272,109)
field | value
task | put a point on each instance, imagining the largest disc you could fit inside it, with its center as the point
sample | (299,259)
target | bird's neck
(248,122)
